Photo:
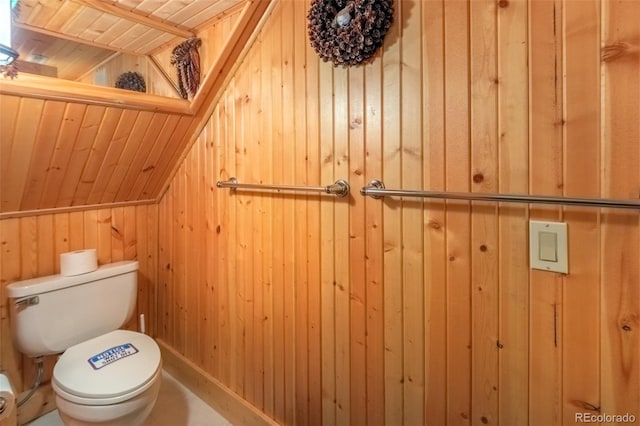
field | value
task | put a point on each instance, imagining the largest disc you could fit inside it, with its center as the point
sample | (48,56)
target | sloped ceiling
(74,36)
(66,144)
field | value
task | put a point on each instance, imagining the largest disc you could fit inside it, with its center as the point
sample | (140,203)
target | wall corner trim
(210,390)
(69,209)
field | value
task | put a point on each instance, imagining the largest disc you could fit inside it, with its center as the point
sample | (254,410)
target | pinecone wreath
(348,32)
(186,59)
(131,80)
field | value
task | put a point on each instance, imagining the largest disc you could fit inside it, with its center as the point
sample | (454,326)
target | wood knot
(478,178)
(614,51)
(503,3)
(434,224)
(483,248)
(626,327)
(484,420)
(499,344)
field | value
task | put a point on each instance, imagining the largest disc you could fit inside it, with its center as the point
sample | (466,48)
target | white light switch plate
(548,241)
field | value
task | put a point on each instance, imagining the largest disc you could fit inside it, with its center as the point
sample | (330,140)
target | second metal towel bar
(340,188)
(376,189)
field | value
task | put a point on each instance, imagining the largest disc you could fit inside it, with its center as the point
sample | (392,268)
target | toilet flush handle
(29,301)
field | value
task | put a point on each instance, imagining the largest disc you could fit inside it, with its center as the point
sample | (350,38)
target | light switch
(548,246)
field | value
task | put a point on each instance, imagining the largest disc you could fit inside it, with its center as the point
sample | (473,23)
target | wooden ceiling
(75,36)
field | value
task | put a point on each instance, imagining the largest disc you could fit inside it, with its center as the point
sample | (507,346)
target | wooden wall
(63,153)
(361,311)
(30,247)
(156,82)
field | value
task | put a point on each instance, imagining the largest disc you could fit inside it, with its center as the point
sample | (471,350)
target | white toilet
(105,376)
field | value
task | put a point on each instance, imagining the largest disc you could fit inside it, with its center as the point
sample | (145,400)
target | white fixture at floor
(104,376)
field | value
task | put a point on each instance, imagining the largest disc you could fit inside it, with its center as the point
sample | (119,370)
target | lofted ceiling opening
(74,39)
(70,145)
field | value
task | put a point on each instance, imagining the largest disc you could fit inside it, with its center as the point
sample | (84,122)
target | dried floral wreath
(131,81)
(348,32)
(186,59)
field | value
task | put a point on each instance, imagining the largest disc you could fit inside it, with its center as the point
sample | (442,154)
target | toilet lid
(110,365)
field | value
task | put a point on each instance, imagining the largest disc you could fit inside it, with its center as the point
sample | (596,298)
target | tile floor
(176,406)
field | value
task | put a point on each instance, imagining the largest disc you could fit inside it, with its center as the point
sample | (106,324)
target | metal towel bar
(340,188)
(376,189)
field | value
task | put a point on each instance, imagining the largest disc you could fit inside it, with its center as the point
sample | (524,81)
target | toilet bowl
(104,376)
(111,380)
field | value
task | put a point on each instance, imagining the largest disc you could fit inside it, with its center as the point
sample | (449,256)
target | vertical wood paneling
(99,149)
(342,279)
(62,153)
(50,122)
(392,228)
(22,137)
(301,283)
(327,227)
(10,262)
(457,162)
(513,75)
(433,164)
(120,159)
(374,252)
(484,220)
(412,242)
(265,171)
(581,293)
(545,177)
(447,326)
(289,220)
(357,292)
(313,162)
(81,150)
(620,285)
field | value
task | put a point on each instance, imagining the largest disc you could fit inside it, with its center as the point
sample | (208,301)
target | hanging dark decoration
(186,59)
(348,32)
(131,81)
(9,71)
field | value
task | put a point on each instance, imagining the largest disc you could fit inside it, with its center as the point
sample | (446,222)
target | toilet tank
(50,314)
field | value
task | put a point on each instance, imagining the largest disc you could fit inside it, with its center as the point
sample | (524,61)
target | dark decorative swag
(348,32)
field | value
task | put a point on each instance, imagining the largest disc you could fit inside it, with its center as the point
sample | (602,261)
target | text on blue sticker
(112,355)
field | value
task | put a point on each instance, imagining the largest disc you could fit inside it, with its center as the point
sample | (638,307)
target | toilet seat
(108,369)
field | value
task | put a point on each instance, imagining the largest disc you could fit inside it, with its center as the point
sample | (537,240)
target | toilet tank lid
(35,286)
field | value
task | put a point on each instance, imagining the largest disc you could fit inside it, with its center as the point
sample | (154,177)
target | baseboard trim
(237,410)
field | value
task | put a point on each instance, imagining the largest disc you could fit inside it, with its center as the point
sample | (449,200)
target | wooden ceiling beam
(74,39)
(132,16)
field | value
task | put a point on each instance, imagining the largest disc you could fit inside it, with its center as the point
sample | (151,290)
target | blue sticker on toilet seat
(112,355)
